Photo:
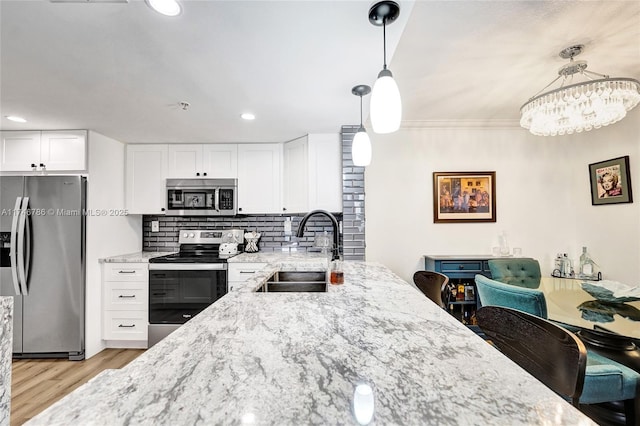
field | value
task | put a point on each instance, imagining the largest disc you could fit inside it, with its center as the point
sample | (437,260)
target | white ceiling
(121,69)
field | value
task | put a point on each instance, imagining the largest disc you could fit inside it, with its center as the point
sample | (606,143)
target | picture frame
(610,181)
(460,197)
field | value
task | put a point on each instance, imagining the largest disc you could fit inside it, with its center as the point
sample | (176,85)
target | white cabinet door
(259,178)
(19,150)
(325,172)
(146,178)
(220,160)
(295,183)
(63,150)
(185,161)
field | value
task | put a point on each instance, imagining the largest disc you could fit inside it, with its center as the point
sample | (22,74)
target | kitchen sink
(296,281)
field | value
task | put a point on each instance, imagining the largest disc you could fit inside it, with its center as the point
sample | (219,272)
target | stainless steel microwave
(202,197)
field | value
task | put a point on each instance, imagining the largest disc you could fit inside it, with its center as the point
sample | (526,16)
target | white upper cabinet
(220,160)
(295,184)
(26,151)
(203,160)
(146,178)
(259,178)
(313,174)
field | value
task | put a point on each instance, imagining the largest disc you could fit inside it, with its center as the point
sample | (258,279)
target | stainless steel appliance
(42,231)
(202,197)
(183,284)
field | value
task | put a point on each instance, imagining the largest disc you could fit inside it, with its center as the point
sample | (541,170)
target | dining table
(611,329)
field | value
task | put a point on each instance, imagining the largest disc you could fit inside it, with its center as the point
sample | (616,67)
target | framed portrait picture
(610,181)
(464,197)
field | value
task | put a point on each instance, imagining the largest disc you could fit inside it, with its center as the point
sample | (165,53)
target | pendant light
(577,106)
(361,146)
(386,106)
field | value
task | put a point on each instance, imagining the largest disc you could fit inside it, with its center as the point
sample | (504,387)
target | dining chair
(432,284)
(523,272)
(492,292)
(556,357)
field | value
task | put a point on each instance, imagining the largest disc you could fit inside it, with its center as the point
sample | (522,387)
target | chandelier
(577,107)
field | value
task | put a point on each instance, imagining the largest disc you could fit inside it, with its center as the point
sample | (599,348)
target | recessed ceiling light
(166,7)
(16,119)
(248,116)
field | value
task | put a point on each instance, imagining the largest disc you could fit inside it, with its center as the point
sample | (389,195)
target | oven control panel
(199,236)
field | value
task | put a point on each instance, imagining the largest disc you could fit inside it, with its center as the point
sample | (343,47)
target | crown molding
(461,124)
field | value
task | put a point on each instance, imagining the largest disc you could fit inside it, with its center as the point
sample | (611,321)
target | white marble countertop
(296,358)
(138,257)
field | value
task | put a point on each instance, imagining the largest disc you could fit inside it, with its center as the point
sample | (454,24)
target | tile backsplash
(271,228)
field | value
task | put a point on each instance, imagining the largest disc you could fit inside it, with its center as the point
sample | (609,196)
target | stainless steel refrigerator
(42,264)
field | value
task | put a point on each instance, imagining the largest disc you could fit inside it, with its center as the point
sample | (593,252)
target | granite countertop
(296,358)
(138,257)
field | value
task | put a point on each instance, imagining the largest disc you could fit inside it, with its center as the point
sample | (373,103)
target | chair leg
(632,411)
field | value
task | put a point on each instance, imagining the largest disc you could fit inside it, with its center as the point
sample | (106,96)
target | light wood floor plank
(38,383)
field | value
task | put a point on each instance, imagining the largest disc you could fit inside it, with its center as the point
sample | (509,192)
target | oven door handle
(187,266)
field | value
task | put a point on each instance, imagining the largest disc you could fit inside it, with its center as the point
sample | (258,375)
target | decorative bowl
(611,291)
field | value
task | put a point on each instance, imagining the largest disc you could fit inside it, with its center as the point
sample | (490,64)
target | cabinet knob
(204,174)
(461,267)
(33,165)
(284,209)
(162,209)
(198,174)
(239,209)
(42,165)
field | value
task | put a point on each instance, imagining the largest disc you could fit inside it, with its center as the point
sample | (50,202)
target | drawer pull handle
(126,326)
(127,272)
(126,296)
(159,294)
(461,267)
(186,316)
(247,272)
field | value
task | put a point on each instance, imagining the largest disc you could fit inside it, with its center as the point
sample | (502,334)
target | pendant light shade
(361,146)
(386,105)
(361,149)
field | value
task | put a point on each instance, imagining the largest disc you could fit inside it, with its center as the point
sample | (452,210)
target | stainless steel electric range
(183,284)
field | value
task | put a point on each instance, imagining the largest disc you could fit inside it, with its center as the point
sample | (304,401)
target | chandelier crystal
(578,107)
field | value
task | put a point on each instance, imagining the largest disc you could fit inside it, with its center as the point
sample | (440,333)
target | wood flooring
(38,383)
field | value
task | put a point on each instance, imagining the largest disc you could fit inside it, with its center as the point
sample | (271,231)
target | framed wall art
(610,181)
(464,197)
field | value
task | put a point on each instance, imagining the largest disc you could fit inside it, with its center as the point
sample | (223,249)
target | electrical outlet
(155,226)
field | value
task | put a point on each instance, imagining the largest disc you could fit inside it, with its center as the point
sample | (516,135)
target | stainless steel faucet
(334,224)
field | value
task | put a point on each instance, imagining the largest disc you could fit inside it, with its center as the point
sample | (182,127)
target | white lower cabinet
(240,272)
(125,304)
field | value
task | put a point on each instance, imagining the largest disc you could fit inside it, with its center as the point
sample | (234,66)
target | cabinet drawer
(127,296)
(125,325)
(461,266)
(126,272)
(242,271)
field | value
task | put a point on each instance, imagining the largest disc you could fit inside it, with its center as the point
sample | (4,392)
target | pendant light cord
(360,110)
(384,42)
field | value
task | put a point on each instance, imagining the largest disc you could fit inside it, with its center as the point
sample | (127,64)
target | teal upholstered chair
(557,358)
(523,272)
(495,293)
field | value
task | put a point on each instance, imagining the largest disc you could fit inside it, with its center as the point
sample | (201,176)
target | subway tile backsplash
(270,227)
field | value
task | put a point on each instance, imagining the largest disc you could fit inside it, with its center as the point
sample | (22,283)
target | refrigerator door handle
(216,201)
(22,225)
(13,246)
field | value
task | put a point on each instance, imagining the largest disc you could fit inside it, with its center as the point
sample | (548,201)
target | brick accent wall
(353,226)
(271,228)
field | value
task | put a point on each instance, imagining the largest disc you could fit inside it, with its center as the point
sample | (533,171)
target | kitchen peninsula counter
(296,358)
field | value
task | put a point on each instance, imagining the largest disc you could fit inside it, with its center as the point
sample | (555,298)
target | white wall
(542,187)
(106,235)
